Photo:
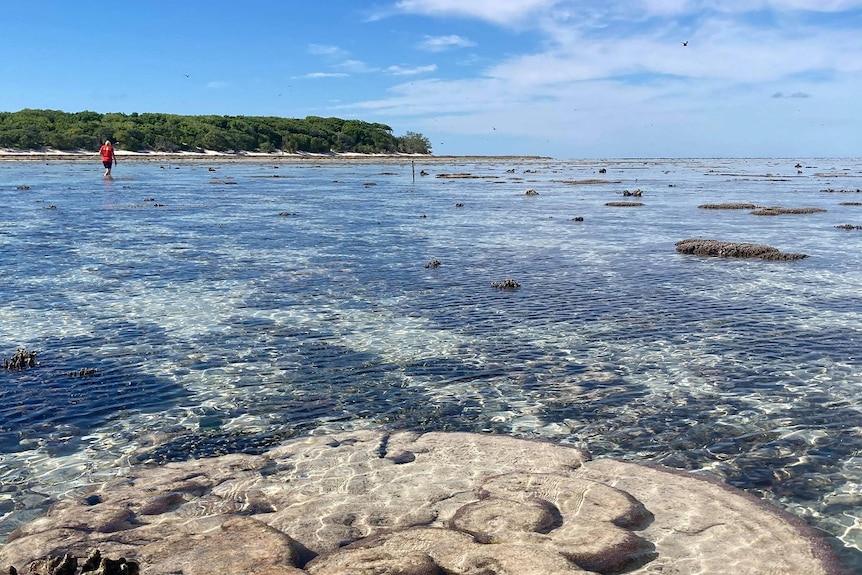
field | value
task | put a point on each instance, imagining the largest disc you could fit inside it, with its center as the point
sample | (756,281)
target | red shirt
(107,153)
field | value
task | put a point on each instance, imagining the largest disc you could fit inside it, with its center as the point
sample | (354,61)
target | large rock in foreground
(423,504)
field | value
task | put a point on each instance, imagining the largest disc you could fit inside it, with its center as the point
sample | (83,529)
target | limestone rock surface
(372,502)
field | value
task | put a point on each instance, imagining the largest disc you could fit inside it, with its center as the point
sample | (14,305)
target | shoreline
(10,155)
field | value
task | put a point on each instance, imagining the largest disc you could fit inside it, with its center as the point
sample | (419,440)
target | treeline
(36,129)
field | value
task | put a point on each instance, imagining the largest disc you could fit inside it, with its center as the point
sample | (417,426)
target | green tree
(414,143)
(34,129)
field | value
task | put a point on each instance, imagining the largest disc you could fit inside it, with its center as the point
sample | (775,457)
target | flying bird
(685,43)
(186,75)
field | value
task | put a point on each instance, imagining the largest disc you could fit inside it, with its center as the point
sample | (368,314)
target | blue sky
(562,78)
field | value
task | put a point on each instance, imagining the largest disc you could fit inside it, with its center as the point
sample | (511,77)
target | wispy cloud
(507,12)
(316,75)
(356,67)
(604,68)
(442,43)
(402,71)
(326,50)
(793,95)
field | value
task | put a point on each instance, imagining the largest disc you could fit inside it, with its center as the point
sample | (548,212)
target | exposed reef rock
(624,204)
(635,193)
(850,204)
(702,247)
(21,360)
(831,191)
(83,372)
(778,210)
(506,284)
(433,264)
(465,176)
(93,564)
(586,182)
(370,502)
(734,206)
(531,192)
(848,227)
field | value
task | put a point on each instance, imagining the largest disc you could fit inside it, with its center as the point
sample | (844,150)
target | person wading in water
(108,158)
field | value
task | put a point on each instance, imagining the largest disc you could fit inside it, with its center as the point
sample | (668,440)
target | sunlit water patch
(184,312)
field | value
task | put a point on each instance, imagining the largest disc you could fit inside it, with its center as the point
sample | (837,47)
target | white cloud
(315,75)
(401,71)
(616,72)
(676,7)
(326,50)
(507,12)
(356,66)
(442,43)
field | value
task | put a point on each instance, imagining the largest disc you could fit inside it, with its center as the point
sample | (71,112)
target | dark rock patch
(848,227)
(506,284)
(850,204)
(464,176)
(94,564)
(586,182)
(433,264)
(703,247)
(778,210)
(731,206)
(83,372)
(624,204)
(21,360)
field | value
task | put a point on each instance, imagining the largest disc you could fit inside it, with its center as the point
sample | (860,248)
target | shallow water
(228,310)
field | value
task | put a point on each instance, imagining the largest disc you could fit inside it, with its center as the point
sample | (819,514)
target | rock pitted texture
(702,247)
(423,504)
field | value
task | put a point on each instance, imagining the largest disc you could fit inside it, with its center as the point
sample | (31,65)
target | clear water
(224,317)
